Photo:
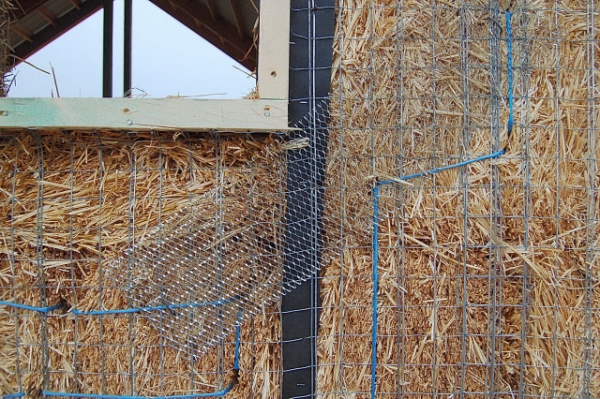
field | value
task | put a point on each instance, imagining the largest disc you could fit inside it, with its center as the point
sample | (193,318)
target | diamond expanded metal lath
(197,273)
(205,270)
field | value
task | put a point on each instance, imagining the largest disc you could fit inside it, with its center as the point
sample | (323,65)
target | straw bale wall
(73,201)
(488,273)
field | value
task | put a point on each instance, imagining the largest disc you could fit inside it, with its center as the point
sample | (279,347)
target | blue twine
(45,309)
(443,168)
(510,72)
(14,395)
(375,287)
(376,248)
(222,392)
(238,334)
(220,302)
(49,309)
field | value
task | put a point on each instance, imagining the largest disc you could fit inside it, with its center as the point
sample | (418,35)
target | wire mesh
(130,261)
(132,256)
(479,280)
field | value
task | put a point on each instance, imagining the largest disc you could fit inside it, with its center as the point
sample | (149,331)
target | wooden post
(274,49)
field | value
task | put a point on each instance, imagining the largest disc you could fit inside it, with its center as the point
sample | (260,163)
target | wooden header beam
(143,114)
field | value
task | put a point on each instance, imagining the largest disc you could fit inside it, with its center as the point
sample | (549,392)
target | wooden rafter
(24,7)
(238,16)
(228,33)
(47,15)
(76,3)
(212,9)
(24,33)
(220,33)
(63,24)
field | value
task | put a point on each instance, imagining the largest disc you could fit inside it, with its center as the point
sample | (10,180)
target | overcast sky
(168,60)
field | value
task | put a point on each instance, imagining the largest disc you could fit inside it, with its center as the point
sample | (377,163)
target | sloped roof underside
(227,24)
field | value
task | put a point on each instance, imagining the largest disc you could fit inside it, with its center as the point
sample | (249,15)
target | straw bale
(400,106)
(503,290)
(95,194)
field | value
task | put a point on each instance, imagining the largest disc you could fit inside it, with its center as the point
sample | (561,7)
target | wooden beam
(212,9)
(274,49)
(144,114)
(76,3)
(51,32)
(238,16)
(219,33)
(47,15)
(24,33)
(24,7)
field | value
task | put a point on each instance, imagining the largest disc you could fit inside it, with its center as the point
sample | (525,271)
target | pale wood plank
(144,114)
(274,49)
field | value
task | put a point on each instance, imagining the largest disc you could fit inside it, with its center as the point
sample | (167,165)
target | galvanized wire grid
(129,263)
(486,277)
(487,274)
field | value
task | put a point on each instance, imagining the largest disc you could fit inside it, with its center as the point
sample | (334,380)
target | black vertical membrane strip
(127,40)
(107,55)
(311,41)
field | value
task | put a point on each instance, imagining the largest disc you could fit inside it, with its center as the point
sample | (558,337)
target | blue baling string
(238,335)
(424,174)
(45,309)
(99,396)
(376,247)
(223,392)
(443,168)
(49,309)
(375,288)
(14,395)
(220,302)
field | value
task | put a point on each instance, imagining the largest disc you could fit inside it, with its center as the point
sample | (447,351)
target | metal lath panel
(134,264)
(462,201)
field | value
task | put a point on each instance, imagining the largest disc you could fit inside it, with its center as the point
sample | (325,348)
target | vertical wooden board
(274,49)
